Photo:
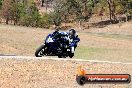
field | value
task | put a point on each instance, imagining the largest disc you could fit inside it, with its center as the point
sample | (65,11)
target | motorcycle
(60,46)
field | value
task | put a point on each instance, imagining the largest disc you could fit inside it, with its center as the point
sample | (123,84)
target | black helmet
(72,32)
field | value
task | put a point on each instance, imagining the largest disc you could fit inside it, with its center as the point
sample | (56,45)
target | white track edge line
(64,59)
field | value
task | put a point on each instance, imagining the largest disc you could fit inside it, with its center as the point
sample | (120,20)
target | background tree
(6,10)
(112,9)
(30,16)
(1,4)
(25,12)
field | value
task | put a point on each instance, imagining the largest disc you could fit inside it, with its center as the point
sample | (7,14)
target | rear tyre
(60,56)
(40,51)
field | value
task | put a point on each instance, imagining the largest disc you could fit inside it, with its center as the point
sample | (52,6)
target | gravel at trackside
(43,73)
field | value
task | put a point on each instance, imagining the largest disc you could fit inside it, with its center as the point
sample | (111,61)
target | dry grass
(110,43)
(21,40)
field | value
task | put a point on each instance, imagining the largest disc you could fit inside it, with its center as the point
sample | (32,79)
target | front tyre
(40,51)
(71,55)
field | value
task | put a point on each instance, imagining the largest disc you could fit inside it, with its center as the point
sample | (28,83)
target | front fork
(72,49)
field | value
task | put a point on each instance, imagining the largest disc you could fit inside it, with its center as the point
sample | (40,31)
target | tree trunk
(42,3)
(46,7)
(7,20)
(15,21)
(112,10)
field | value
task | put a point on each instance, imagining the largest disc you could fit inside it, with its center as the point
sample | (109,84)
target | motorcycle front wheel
(71,55)
(40,51)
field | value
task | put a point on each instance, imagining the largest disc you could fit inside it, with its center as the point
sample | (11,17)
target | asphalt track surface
(64,63)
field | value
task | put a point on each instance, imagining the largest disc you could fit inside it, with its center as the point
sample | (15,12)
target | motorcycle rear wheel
(61,56)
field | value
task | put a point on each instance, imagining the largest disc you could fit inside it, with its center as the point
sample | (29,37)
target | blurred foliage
(1,4)
(30,17)
(26,13)
(44,21)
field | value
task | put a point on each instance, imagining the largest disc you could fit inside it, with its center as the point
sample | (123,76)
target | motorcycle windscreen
(49,40)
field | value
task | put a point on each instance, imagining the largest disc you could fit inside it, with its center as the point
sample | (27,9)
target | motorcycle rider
(56,35)
(73,36)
